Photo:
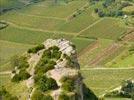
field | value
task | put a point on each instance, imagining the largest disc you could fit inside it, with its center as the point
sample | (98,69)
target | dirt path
(89,48)
(105,53)
(33,62)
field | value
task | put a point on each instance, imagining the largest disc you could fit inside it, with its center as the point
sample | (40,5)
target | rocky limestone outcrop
(65,70)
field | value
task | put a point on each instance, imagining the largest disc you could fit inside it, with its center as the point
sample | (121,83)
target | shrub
(44,66)
(63,97)
(16,78)
(5,95)
(38,95)
(23,75)
(67,84)
(43,83)
(36,49)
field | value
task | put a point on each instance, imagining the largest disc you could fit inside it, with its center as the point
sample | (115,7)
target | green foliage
(111,8)
(38,95)
(19,62)
(36,49)
(22,75)
(63,97)
(127,88)
(47,60)
(5,95)
(44,65)
(44,84)
(67,84)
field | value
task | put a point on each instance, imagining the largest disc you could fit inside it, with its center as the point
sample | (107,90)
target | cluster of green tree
(127,90)
(38,95)
(47,60)
(22,75)
(111,7)
(68,84)
(5,95)
(8,5)
(20,64)
(44,83)
(36,49)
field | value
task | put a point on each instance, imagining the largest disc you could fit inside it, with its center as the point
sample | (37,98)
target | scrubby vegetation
(22,75)
(36,49)
(20,65)
(5,95)
(63,97)
(126,90)
(67,84)
(3,25)
(19,62)
(44,83)
(38,95)
(47,60)
(111,7)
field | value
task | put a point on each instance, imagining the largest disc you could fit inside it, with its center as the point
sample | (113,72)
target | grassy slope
(81,43)
(103,80)
(50,10)
(89,55)
(109,28)
(81,21)
(124,59)
(9,49)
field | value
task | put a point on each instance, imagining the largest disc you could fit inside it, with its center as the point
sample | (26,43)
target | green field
(48,9)
(124,59)
(9,49)
(108,28)
(37,22)
(81,43)
(4,79)
(103,80)
(85,59)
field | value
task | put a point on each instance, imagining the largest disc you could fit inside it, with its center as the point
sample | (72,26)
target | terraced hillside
(101,42)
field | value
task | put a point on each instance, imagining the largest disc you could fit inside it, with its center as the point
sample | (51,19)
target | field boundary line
(17,43)
(41,30)
(89,48)
(75,12)
(91,25)
(45,17)
(121,68)
(5,72)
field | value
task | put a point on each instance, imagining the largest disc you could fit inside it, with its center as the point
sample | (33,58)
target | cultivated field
(96,39)
(103,80)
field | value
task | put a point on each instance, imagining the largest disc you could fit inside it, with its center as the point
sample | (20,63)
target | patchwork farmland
(101,42)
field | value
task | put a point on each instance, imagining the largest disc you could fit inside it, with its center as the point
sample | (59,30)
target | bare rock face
(64,69)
